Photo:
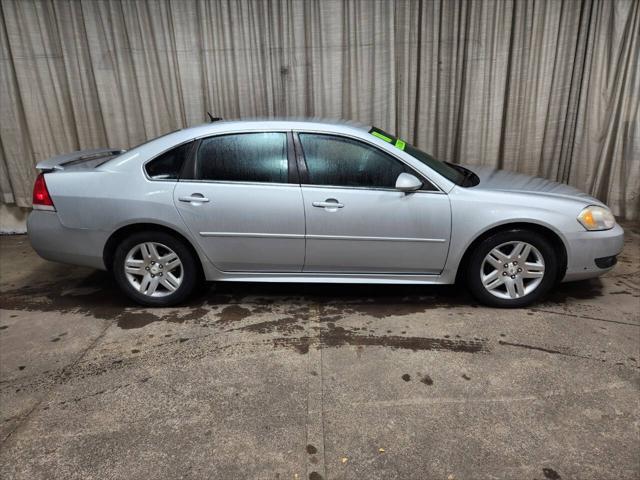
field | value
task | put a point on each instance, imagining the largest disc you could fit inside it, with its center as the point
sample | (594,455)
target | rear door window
(168,165)
(245,157)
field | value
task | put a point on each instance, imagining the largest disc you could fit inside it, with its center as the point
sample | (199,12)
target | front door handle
(195,198)
(328,203)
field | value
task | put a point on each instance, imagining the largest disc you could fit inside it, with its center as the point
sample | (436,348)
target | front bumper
(53,241)
(583,248)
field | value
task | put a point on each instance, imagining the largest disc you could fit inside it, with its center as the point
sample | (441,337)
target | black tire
(475,268)
(189,269)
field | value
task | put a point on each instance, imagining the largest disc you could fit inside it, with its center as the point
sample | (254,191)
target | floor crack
(60,376)
(316,459)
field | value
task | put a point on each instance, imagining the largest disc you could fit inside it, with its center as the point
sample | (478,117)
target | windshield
(451,172)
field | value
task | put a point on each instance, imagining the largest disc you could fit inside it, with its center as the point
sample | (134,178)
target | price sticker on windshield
(382,135)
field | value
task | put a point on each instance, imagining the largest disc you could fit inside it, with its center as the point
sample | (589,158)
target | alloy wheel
(512,270)
(153,269)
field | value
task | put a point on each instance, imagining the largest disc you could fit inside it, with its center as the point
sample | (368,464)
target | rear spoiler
(59,162)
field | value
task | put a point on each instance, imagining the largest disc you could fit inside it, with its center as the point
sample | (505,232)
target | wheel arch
(124,231)
(553,237)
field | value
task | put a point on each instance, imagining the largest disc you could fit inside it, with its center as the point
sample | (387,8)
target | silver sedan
(312,201)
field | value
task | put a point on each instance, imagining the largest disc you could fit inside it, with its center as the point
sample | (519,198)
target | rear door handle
(196,197)
(329,203)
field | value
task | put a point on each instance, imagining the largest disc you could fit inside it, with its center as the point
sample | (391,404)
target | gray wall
(549,88)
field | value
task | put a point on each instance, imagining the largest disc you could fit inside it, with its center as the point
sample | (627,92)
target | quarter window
(340,161)
(168,165)
(246,157)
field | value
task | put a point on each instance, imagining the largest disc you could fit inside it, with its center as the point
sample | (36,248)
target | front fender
(476,213)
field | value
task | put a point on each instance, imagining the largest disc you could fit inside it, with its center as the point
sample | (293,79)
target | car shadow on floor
(95,292)
(442,295)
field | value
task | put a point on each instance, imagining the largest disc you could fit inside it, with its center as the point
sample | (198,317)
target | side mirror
(408,183)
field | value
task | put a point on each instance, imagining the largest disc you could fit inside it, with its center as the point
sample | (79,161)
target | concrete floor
(293,381)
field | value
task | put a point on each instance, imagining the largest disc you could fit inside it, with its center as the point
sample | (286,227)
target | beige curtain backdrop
(550,88)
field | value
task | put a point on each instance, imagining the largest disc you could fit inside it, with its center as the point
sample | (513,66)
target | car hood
(502,180)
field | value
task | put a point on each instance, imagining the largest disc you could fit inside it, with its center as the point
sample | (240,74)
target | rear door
(243,203)
(357,222)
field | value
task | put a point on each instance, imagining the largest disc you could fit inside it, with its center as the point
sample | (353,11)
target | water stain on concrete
(376,310)
(383,307)
(233,314)
(300,344)
(427,380)
(131,320)
(551,474)
(91,295)
(581,290)
(95,295)
(336,336)
(285,326)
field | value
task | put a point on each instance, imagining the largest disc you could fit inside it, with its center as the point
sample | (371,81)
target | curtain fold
(548,88)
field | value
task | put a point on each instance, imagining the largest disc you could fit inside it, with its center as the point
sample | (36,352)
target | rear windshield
(449,172)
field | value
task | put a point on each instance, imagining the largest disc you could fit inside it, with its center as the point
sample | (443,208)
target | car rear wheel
(155,269)
(512,268)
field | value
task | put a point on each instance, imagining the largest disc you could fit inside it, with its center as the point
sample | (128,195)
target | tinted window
(345,162)
(448,171)
(169,164)
(246,157)
(442,168)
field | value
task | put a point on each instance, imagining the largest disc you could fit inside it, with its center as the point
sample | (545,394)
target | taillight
(41,198)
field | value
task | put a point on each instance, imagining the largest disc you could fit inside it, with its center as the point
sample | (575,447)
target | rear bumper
(584,248)
(52,241)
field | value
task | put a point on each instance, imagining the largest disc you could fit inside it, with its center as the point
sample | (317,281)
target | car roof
(171,139)
(275,123)
(167,140)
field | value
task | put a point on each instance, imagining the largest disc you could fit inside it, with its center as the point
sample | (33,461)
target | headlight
(596,218)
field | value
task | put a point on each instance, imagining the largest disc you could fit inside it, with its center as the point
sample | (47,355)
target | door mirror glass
(407,183)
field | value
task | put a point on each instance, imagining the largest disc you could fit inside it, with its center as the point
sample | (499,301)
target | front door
(239,203)
(358,223)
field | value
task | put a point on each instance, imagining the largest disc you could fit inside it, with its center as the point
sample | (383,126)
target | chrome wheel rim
(153,269)
(512,270)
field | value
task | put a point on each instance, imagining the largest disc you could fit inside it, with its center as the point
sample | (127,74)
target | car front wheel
(512,268)
(155,269)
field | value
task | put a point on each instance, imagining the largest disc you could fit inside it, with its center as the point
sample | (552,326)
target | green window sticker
(387,137)
(380,135)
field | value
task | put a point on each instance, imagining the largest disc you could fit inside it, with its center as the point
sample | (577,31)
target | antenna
(213,119)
